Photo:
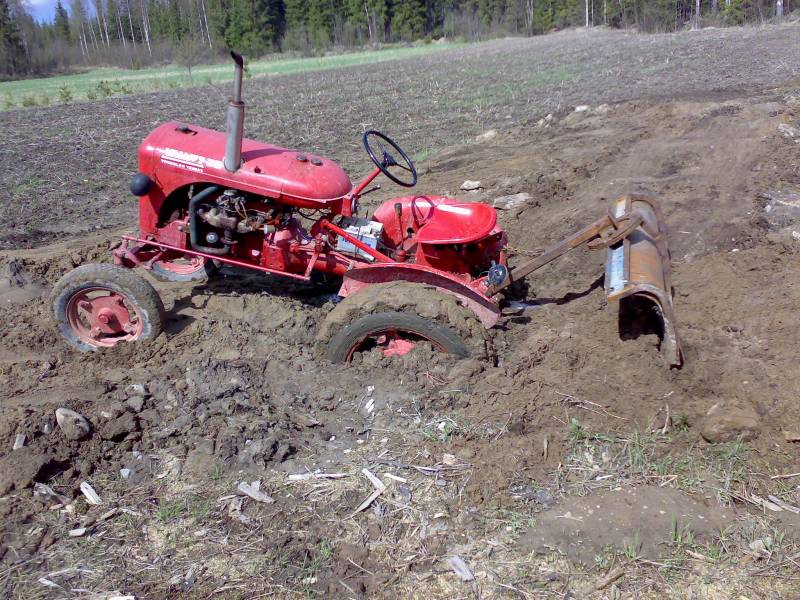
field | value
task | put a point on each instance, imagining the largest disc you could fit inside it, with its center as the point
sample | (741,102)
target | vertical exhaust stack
(234,126)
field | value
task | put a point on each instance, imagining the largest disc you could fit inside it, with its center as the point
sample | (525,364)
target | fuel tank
(175,155)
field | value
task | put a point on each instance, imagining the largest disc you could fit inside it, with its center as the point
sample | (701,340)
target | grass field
(105,82)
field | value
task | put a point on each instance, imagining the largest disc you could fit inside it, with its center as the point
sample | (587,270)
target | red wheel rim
(392,342)
(182,265)
(102,317)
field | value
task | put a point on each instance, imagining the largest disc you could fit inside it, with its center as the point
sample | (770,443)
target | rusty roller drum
(639,266)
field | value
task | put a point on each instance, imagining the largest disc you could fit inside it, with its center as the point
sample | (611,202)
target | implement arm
(604,232)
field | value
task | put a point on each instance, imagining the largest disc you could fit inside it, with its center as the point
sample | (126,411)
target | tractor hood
(174,155)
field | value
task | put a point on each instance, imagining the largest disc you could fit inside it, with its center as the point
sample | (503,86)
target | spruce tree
(61,23)
(12,54)
(408,20)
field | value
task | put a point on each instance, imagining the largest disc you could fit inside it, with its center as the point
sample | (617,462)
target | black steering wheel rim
(387,160)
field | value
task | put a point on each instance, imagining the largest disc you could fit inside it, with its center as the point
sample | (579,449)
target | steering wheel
(387,160)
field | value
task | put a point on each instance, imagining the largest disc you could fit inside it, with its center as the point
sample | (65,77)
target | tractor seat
(457,223)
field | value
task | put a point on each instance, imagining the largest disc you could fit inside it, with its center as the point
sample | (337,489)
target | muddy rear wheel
(100,306)
(394,317)
(395,334)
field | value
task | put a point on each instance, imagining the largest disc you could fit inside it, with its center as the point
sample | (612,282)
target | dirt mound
(469,451)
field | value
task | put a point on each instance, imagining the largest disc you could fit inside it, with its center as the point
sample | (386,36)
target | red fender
(361,277)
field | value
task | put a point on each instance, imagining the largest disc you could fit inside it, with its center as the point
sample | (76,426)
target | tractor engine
(231,215)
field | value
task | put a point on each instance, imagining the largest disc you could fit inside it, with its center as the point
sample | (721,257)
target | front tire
(99,306)
(184,269)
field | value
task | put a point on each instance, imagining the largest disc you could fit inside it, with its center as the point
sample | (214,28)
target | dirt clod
(116,429)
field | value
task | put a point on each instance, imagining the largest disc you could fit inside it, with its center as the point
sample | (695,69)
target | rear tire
(132,309)
(352,337)
(415,309)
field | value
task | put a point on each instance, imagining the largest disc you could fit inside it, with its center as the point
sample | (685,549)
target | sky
(42,10)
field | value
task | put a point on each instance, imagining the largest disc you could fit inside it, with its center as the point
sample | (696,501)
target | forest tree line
(134,33)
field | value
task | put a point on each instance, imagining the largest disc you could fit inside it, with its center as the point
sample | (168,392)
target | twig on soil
(610,578)
(380,487)
(580,403)
(306,476)
(667,421)
(504,428)
(786,476)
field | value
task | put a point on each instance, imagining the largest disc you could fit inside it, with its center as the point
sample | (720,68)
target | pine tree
(61,24)
(296,14)
(12,53)
(408,20)
(320,21)
(254,27)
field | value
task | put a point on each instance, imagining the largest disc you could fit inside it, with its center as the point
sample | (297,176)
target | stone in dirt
(511,202)
(112,410)
(135,403)
(726,422)
(486,136)
(118,428)
(789,132)
(471,186)
(460,568)
(48,495)
(74,425)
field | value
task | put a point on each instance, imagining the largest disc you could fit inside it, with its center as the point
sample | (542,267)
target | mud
(234,389)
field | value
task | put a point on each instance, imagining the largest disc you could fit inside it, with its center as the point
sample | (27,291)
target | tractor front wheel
(393,318)
(98,306)
(184,268)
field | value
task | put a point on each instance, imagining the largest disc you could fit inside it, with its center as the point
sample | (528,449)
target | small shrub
(120,87)
(65,94)
(104,89)
(172,84)
(91,95)
(247,73)
(8,101)
(681,422)
(427,39)
(169,511)
(576,431)
(209,81)
(28,101)
(45,101)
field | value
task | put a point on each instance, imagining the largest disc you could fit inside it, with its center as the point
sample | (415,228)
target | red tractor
(422,269)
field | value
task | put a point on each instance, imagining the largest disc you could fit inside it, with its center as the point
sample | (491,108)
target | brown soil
(233,391)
